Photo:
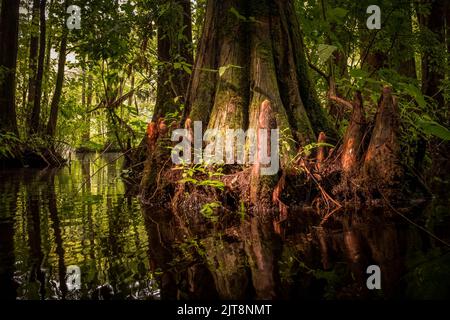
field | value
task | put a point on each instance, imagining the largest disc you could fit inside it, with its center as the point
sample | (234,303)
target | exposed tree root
(346,175)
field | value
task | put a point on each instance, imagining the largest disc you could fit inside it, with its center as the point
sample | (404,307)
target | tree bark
(88,105)
(251,55)
(36,111)
(382,168)
(172,84)
(9,34)
(33,65)
(47,65)
(54,108)
(432,69)
(352,148)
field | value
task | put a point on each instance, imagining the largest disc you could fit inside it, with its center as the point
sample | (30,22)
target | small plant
(8,144)
(208,211)
(190,175)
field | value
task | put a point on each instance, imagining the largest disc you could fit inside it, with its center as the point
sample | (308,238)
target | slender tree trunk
(9,33)
(85,106)
(36,112)
(33,64)
(47,65)
(54,108)
(404,53)
(433,69)
(172,82)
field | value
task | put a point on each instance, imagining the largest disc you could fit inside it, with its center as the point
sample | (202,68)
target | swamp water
(75,233)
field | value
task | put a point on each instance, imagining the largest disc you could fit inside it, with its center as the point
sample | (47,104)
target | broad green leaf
(337,13)
(358,73)
(325,51)
(416,94)
(433,128)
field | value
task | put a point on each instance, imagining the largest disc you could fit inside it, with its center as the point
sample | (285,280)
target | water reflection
(252,261)
(76,216)
(80,218)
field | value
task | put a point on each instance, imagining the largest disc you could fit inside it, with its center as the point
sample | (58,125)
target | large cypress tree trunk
(260,45)
(262,80)
(9,33)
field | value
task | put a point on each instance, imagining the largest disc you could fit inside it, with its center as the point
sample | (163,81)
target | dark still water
(74,233)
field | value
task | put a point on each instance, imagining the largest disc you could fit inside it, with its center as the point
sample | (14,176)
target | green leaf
(222,70)
(358,73)
(187,69)
(433,128)
(325,51)
(416,94)
(337,13)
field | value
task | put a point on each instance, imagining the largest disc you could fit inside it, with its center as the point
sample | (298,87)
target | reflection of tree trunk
(7,258)
(355,254)
(10,188)
(56,225)
(34,239)
(261,248)
(160,232)
(87,194)
(323,245)
(226,261)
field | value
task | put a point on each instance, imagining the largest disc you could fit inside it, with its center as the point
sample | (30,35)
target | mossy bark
(251,52)
(171,91)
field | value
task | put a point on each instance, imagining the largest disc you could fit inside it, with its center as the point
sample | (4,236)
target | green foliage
(9,144)
(202,175)
(433,128)
(307,150)
(325,51)
(208,211)
(428,275)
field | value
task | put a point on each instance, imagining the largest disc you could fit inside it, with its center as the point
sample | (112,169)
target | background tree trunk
(54,108)
(36,111)
(33,65)
(9,33)
(432,71)
(172,78)
(172,82)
